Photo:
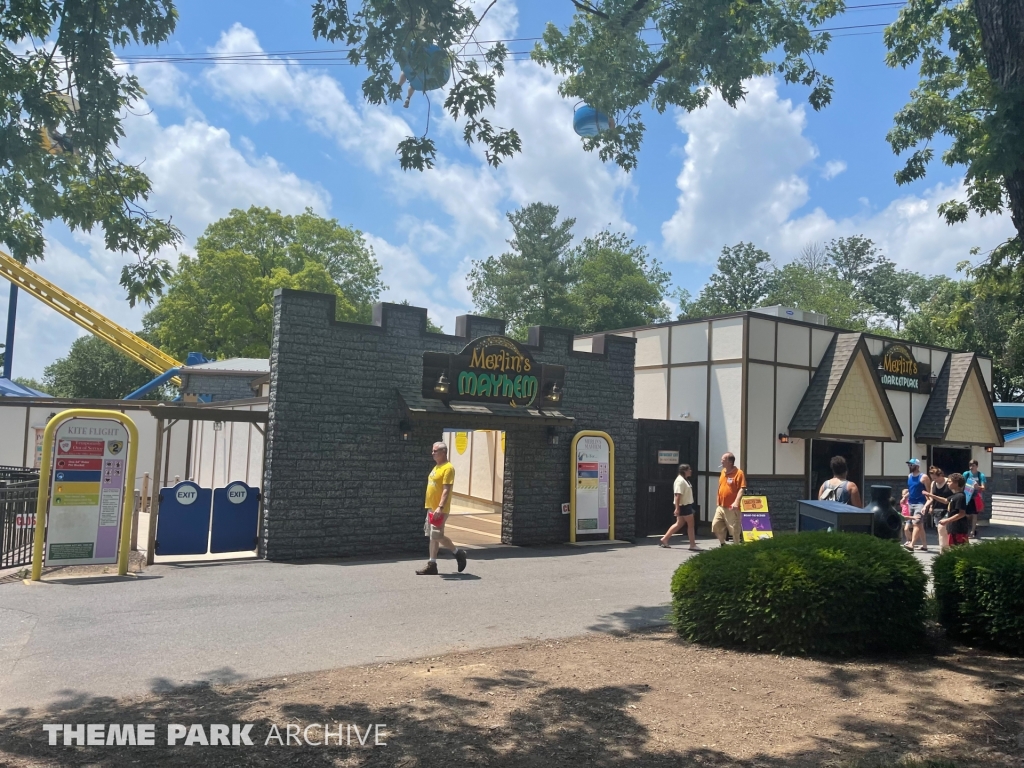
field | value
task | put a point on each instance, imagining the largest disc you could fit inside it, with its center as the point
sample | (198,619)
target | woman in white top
(683,495)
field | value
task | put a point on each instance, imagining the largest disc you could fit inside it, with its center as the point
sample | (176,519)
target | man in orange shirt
(730,490)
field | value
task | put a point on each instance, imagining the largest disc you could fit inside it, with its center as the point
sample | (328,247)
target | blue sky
(216,136)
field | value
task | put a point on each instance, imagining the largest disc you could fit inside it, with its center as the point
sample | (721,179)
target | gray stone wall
(340,481)
(783,494)
(225,387)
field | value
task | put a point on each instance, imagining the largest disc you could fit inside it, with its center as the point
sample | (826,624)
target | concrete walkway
(174,625)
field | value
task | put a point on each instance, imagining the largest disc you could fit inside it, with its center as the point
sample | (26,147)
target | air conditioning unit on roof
(793,314)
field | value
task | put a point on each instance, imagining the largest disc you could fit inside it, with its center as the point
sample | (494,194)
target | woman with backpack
(839,488)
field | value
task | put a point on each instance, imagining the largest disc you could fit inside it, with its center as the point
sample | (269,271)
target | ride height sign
(86,492)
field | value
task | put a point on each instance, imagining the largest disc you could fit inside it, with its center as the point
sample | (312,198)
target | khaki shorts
(431,531)
(727,519)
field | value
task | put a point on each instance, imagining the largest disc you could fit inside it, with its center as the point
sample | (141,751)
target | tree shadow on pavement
(516,717)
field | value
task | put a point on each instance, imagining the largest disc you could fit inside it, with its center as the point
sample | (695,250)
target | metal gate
(17,522)
(236,511)
(661,447)
(197,521)
(183,527)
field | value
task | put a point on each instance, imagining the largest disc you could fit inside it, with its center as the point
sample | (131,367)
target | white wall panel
(761,434)
(790,387)
(819,343)
(872,460)
(762,339)
(460,461)
(12,446)
(984,460)
(938,360)
(690,343)
(583,345)
(794,344)
(650,395)
(918,403)
(689,395)
(702,499)
(896,454)
(483,446)
(875,346)
(727,339)
(725,406)
(652,347)
(986,372)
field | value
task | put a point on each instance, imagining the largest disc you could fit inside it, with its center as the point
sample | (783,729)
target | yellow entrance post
(611,482)
(46,470)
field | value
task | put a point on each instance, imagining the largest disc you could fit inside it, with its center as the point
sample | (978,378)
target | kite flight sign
(84,508)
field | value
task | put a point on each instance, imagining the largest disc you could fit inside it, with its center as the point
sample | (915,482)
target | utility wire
(338,56)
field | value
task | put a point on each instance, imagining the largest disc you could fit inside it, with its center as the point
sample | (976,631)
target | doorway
(950,460)
(478,457)
(822,452)
(662,447)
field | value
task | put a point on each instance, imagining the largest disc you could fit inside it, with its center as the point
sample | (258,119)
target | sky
(214,136)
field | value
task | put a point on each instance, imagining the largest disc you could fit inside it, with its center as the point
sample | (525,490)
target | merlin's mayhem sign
(493,369)
(899,369)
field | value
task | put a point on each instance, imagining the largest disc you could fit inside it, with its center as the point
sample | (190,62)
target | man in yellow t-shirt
(730,490)
(438,504)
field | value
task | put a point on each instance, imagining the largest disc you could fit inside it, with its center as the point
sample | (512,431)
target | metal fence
(17,522)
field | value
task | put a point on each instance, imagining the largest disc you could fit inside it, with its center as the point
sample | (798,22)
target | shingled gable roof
(947,394)
(836,364)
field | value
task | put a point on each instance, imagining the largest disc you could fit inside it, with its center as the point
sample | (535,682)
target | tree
(983,312)
(421,36)
(33,384)
(742,280)
(529,284)
(95,369)
(971,55)
(814,283)
(62,100)
(220,302)
(614,284)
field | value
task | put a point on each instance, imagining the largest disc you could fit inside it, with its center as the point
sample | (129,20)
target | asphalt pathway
(66,642)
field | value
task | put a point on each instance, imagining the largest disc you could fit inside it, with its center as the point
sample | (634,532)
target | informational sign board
(668,457)
(754,519)
(593,479)
(87,488)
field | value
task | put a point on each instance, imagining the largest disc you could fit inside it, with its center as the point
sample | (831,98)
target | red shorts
(958,538)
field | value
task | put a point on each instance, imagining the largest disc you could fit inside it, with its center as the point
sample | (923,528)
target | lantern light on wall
(405,429)
(783,438)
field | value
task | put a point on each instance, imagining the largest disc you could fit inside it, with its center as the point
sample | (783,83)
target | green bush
(980,593)
(830,593)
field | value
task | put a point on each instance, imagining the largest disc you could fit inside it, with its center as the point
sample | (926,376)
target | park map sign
(493,369)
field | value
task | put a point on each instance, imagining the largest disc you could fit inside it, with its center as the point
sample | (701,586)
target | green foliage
(220,302)
(983,312)
(742,280)
(62,100)
(33,384)
(971,93)
(603,283)
(615,284)
(380,34)
(832,593)
(980,592)
(847,280)
(95,369)
(529,284)
(610,60)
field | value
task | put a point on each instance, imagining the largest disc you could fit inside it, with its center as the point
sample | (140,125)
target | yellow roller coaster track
(124,341)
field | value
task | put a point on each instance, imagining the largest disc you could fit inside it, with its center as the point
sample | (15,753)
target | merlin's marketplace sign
(493,369)
(899,369)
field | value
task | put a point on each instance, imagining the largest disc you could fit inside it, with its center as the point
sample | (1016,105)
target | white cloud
(833,168)
(744,177)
